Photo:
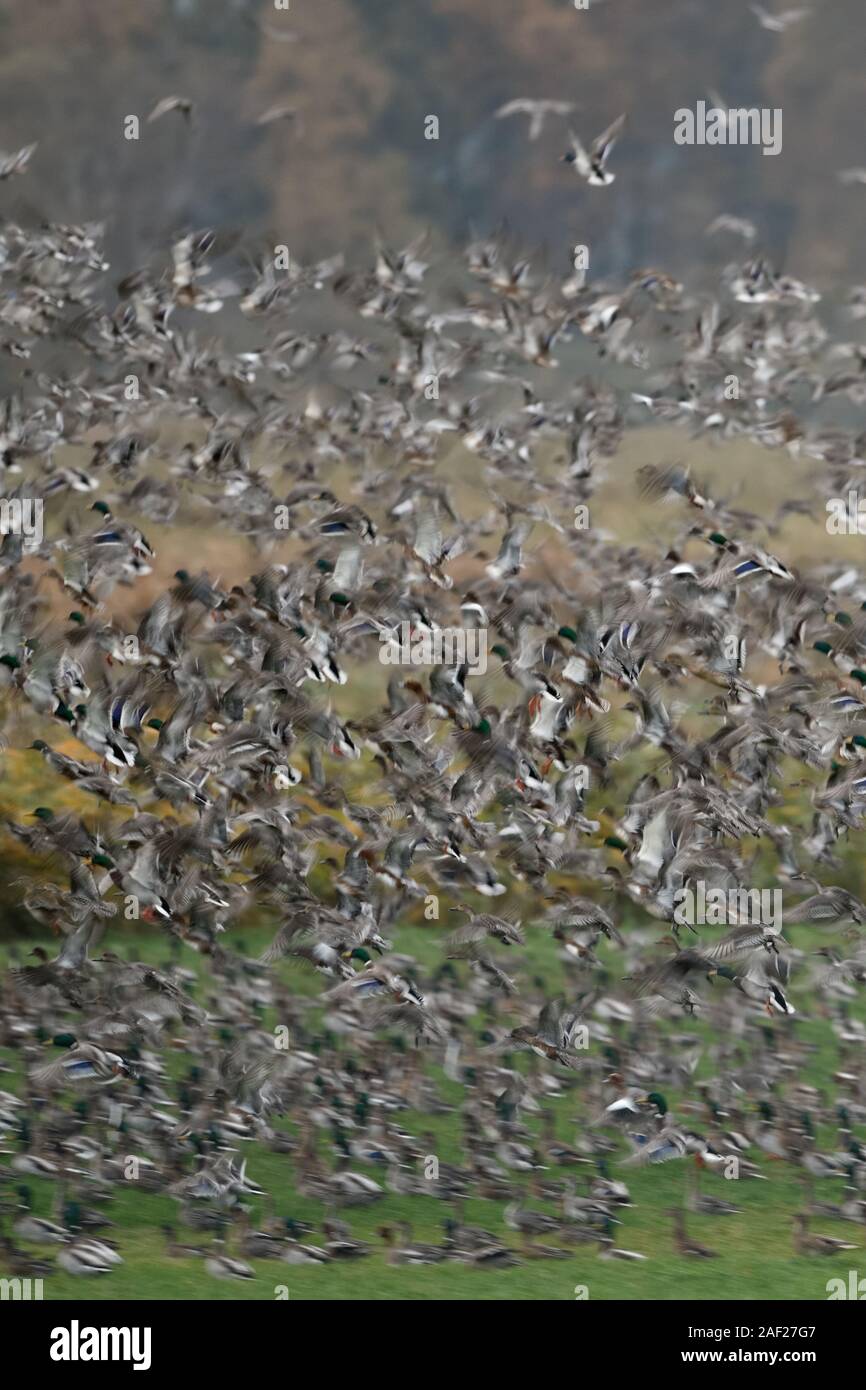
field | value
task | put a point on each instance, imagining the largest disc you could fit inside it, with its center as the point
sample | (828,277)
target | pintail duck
(88,1257)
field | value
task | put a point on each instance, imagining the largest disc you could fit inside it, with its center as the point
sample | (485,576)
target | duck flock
(469,882)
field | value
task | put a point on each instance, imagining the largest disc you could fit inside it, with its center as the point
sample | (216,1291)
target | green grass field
(756,1259)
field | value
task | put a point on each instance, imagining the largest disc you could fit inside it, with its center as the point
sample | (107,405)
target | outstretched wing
(602,147)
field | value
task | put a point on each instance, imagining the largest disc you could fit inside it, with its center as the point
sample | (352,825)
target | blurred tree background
(363,74)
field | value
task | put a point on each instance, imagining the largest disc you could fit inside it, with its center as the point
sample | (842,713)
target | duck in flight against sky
(536,110)
(592,166)
(780,21)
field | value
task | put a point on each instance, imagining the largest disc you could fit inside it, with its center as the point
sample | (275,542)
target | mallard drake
(666,1141)
(83,1062)
(111,533)
(62,833)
